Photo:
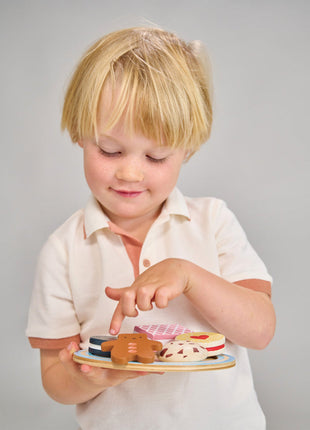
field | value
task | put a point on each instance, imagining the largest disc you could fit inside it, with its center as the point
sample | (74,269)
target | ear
(80,143)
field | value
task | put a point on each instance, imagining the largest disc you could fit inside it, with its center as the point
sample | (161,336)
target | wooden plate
(221,361)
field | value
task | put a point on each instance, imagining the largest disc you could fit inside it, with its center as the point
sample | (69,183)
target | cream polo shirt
(87,253)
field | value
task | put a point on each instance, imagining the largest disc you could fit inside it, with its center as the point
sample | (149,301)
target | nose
(130,171)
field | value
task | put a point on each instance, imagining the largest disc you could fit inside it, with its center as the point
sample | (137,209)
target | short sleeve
(237,259)
(51,314)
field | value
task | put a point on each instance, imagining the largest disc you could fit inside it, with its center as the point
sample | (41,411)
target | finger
(145,297)
(162,297)
(113,293)
(127,298)
(115,377)
(128,302)
(96,374)
(117,319)
(85,368)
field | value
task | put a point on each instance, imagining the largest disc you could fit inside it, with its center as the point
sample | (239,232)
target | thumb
(65,355)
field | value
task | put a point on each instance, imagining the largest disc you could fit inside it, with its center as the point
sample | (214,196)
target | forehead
(121,112)
(105,104)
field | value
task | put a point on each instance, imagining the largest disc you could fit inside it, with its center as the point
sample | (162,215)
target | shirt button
(146,262)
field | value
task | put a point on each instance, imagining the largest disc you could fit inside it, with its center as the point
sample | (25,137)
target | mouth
(128,194)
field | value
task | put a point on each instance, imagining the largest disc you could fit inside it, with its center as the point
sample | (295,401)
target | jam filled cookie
(214,343)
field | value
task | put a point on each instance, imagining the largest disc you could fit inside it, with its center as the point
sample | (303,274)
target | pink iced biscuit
(161,331)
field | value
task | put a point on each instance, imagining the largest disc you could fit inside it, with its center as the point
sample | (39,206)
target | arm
(70,383)
(245,316)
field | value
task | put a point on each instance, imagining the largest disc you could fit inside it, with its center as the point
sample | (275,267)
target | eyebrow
(107,136)
(158,150)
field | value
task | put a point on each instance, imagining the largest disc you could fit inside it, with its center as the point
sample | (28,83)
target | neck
(135,227)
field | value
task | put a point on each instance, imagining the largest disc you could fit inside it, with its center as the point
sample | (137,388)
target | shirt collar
(95,219)
(175,205)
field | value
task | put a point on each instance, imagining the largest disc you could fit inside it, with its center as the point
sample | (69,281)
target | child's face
(131,176)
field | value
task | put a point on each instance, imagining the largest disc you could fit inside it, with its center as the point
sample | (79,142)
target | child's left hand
(245,316)
(159,284)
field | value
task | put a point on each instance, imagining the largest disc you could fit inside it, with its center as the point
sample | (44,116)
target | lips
(127,193)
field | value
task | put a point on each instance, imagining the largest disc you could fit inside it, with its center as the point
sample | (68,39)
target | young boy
(139,105)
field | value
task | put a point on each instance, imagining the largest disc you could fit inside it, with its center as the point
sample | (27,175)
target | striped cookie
(95,345)
(214,343)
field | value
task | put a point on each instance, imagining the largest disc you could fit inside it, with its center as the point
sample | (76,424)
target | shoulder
(65,235)
(73,225)
(212,213)
(204,203)
(205,208)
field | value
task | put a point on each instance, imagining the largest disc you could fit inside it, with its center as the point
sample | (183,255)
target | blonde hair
(160,85)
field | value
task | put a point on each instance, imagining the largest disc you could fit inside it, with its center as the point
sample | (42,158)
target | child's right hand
(71,383)
(103,378)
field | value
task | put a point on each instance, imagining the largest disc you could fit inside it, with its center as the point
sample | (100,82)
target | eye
(156,160)
(109,154)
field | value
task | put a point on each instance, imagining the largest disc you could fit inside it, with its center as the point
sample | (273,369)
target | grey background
(257,160)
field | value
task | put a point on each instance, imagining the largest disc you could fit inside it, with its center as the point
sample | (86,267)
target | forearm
(246,317)
(68,388)
(70,383)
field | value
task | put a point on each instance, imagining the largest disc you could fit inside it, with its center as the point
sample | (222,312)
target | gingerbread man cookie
(132,347)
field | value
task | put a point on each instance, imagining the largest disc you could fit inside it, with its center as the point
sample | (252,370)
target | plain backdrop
(257,160)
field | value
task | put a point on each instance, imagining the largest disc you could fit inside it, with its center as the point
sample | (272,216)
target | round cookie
(95,345)
(213,342)
(177,350)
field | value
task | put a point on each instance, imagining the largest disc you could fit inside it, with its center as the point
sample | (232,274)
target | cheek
(174,170)
(168,176)
(95,169)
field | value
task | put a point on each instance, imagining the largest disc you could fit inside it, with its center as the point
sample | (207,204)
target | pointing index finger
(117,319)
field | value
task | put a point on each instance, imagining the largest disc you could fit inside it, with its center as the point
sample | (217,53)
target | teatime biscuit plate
(221,361)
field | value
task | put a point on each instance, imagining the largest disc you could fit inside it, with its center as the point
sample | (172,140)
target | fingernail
(113,331)
(71,347)
(85,368)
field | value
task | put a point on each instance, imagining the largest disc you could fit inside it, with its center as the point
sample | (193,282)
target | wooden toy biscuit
(132,347)
(161,331)
(213,342)
(95,345)
(178,350)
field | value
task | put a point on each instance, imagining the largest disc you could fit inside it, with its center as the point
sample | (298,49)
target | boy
(139,105)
